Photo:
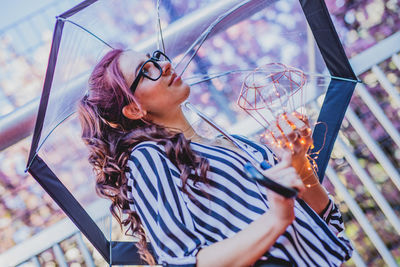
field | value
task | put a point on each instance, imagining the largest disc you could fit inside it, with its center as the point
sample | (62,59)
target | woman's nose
(166,67)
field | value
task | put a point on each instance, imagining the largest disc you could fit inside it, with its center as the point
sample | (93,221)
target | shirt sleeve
(159,202)
(333,218)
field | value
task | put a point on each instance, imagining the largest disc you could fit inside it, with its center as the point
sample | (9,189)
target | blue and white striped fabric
(178,226)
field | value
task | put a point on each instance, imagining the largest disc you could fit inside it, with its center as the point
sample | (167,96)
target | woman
(189,195)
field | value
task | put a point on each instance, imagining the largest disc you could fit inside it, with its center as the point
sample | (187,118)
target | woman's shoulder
(149,161)
(147,156)
(149,147)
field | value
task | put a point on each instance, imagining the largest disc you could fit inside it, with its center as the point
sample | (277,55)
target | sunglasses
(150,69)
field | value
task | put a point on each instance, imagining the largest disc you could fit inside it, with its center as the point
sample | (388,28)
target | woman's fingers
(300,117)
(299,185)
(287,130)
(287,158)
(286,176)
(289,171)
(268,138)
(296,121)
(289,177)
(283,133)
(284,167)
(274,139)
(290,132)
(277,134)
(300,123)
(296,131)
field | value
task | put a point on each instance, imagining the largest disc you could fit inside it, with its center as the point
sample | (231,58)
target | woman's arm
(248,245)
(315,194)
(293,133)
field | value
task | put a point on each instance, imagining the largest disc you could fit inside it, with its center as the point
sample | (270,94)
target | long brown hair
(110,137)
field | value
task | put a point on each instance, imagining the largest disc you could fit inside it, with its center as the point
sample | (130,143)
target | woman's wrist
(315,195)
(306,172)
(310,180)
(276,221)
(301,163)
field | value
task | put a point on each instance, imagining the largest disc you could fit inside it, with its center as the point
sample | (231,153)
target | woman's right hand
(285,174)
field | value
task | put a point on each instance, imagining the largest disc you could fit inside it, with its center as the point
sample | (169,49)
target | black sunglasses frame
(154,59)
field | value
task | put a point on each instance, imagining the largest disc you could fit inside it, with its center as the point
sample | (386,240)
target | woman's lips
(174,78)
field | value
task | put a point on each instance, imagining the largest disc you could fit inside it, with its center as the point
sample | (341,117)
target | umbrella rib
(207,77)
(332,77)
(86,30)
(245,70)
(159,26)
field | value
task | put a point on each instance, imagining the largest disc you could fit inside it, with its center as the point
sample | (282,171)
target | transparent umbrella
(214,44)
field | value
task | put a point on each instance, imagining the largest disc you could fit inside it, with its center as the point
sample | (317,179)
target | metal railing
(27,252)
(368,60)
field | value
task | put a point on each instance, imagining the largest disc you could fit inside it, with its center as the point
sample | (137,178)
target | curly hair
(110,137)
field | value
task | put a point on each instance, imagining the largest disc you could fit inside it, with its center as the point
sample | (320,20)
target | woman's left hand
(291,132)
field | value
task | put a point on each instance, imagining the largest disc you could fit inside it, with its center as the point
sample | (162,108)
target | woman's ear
(133,112)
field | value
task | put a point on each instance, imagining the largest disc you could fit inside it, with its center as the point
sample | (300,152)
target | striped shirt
(178,226)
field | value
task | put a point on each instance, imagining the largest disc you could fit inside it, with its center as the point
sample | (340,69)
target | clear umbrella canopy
(269,32)
(214,44)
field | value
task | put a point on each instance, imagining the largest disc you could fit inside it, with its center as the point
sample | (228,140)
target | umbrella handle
(253,173)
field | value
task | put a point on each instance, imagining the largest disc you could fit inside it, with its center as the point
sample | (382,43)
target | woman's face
(159,97)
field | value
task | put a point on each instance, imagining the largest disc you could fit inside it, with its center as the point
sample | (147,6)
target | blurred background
(367,150)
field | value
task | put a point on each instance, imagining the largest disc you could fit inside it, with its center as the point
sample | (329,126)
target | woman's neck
(176,122)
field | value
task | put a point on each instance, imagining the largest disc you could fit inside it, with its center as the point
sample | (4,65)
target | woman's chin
(187,88)
(185,92)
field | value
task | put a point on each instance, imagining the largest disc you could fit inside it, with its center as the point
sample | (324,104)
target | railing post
(370,185)
(85,251)
(373,147)
(36,261)
(378,113)
(341,190)
(59,253)
(396,60)
(387,85)
(358,261)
